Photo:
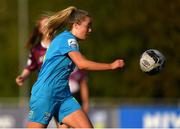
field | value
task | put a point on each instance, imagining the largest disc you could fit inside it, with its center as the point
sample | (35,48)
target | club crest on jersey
(72,43)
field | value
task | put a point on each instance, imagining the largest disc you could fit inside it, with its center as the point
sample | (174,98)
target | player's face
(83,28)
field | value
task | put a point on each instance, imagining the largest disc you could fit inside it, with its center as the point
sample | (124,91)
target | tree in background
(123,28)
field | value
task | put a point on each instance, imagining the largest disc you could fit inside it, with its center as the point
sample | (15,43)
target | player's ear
(75,25)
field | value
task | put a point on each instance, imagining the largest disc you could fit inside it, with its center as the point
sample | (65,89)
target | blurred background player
(38,44)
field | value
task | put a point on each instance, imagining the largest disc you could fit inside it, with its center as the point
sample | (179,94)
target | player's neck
(45,42)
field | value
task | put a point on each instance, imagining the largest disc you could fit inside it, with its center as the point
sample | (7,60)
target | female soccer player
(38,43)
(50,95)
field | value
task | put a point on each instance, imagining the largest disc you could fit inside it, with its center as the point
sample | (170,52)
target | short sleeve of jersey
(68,44)
(31,62)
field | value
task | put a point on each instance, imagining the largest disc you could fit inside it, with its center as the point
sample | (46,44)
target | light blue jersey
(53,77)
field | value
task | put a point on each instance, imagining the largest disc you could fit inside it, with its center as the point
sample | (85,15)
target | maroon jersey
(36,57)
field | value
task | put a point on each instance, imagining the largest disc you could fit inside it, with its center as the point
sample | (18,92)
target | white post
(22,38)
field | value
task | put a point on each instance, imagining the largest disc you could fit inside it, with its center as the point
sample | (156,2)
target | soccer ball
(152,61)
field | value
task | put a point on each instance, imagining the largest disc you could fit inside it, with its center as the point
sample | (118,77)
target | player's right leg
(41,112)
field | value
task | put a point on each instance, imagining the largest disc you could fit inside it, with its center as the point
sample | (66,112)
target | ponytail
(58,21)
(64,18)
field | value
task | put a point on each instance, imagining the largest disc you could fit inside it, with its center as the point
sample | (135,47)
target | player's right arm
(31,66)
(21,78)
(83,63)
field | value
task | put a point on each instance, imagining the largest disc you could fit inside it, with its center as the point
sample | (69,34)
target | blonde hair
(64,18)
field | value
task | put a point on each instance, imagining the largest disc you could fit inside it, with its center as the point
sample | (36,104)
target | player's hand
(20,80)
(119,63)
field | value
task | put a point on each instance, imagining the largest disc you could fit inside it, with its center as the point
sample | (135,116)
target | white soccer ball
(152,61)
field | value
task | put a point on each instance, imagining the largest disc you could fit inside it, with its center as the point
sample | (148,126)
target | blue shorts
(42,110)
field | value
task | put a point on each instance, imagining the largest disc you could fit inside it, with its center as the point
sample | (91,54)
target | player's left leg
(72,115)
(35,125)
(77,119)
(60,125)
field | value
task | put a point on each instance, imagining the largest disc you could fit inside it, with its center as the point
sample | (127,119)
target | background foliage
(121,29)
